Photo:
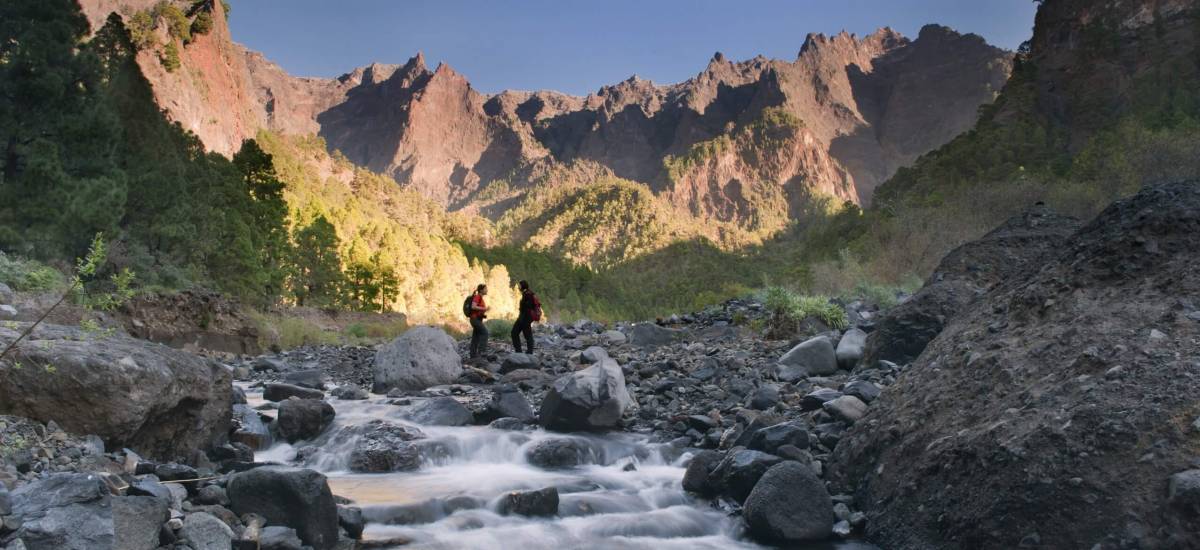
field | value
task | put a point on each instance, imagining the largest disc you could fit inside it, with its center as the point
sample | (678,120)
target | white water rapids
(450,502)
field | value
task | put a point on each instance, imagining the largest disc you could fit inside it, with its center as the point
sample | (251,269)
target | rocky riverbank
(1042,396)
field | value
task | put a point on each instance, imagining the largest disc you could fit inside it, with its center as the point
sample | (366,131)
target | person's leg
(477,330)
(483,340)
(515,334)
(527,330)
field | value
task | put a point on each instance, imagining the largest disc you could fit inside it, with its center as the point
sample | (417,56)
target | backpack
(536,314)
(467,306)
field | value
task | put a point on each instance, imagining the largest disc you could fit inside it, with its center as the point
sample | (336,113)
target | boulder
(696,477)
(137,521)
(203,531)
(303,419)
(307,378)
(771,438)
(508,401)
(650,335)
(865,391)
(350,393)
(817,398)
(518,361)
(249,428)
(850,348)
(813,357)
(382,447)
(1183,490)
(737,473)
(418,359)
(594,398)
(440,411)
(789,504)
(64,512)
(351,519)
(593,355)
(8,312)
(765,397)
(613,337)
(562,452)
(290,497)
(7,296)
(276,537)
(132,393)
(543,502)
(847,408)
(281,392)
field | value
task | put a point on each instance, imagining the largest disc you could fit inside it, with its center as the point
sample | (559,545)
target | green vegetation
(791,308)
(29,275)
(499,329)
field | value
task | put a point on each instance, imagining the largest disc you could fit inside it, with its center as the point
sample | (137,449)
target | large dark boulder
(64,512)
(289,497)
(303,419)
(162,402)
(418,359)
(771,438)
(508,402)
(380,447)
(737,473)
(789,504)
(594,398)
(650,335)
(563,452)
(696,477)
(813,357)
(964,275)
(1058,404)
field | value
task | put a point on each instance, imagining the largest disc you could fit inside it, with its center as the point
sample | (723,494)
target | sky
(577,46)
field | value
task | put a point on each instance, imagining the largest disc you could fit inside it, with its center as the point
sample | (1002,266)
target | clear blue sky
(575,46)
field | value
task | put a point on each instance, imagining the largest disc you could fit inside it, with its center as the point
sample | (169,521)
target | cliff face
(738,138)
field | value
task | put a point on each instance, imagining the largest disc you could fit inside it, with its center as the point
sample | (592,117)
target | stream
(631,498)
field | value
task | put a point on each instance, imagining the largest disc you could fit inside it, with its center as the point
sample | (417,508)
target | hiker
(529,311)
(477,311)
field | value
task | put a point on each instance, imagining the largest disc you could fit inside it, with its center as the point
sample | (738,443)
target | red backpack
(536,314)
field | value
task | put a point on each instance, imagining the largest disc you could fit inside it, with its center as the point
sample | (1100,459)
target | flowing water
(632,498)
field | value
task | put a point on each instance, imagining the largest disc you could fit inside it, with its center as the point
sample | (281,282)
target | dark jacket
(525,308)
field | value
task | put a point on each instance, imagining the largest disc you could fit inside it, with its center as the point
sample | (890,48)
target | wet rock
(813,357)
(205,532)
(696,478)
(307,378)
(518,361)
(441,411)
(847,408)
(508,401)
(350,393)
(507,424)
(275,537)
(303,419)
(764,397)
(289,497)
(737,473)
(594,398)
(378,446)
(850,348)
(351,519)
(420,358)
(161,401)
(789,504)
(249,429)
(649,335)
(771,438)
(562,452)
(543,503)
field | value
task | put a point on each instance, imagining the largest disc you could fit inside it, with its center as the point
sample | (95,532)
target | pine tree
(316,275)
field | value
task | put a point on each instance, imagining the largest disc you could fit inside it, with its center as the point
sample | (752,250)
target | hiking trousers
(479,337)
(525,327)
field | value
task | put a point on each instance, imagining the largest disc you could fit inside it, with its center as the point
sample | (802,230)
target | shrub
(203,23)
(170,57)
(178,24)
(141,30)
(791,307)
(29,275)
(498,329)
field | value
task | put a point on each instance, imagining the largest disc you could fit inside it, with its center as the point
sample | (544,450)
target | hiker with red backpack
(476,310)
(529,311)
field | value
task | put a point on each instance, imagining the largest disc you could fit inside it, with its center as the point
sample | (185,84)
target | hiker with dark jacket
(528,311)
(478,312)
